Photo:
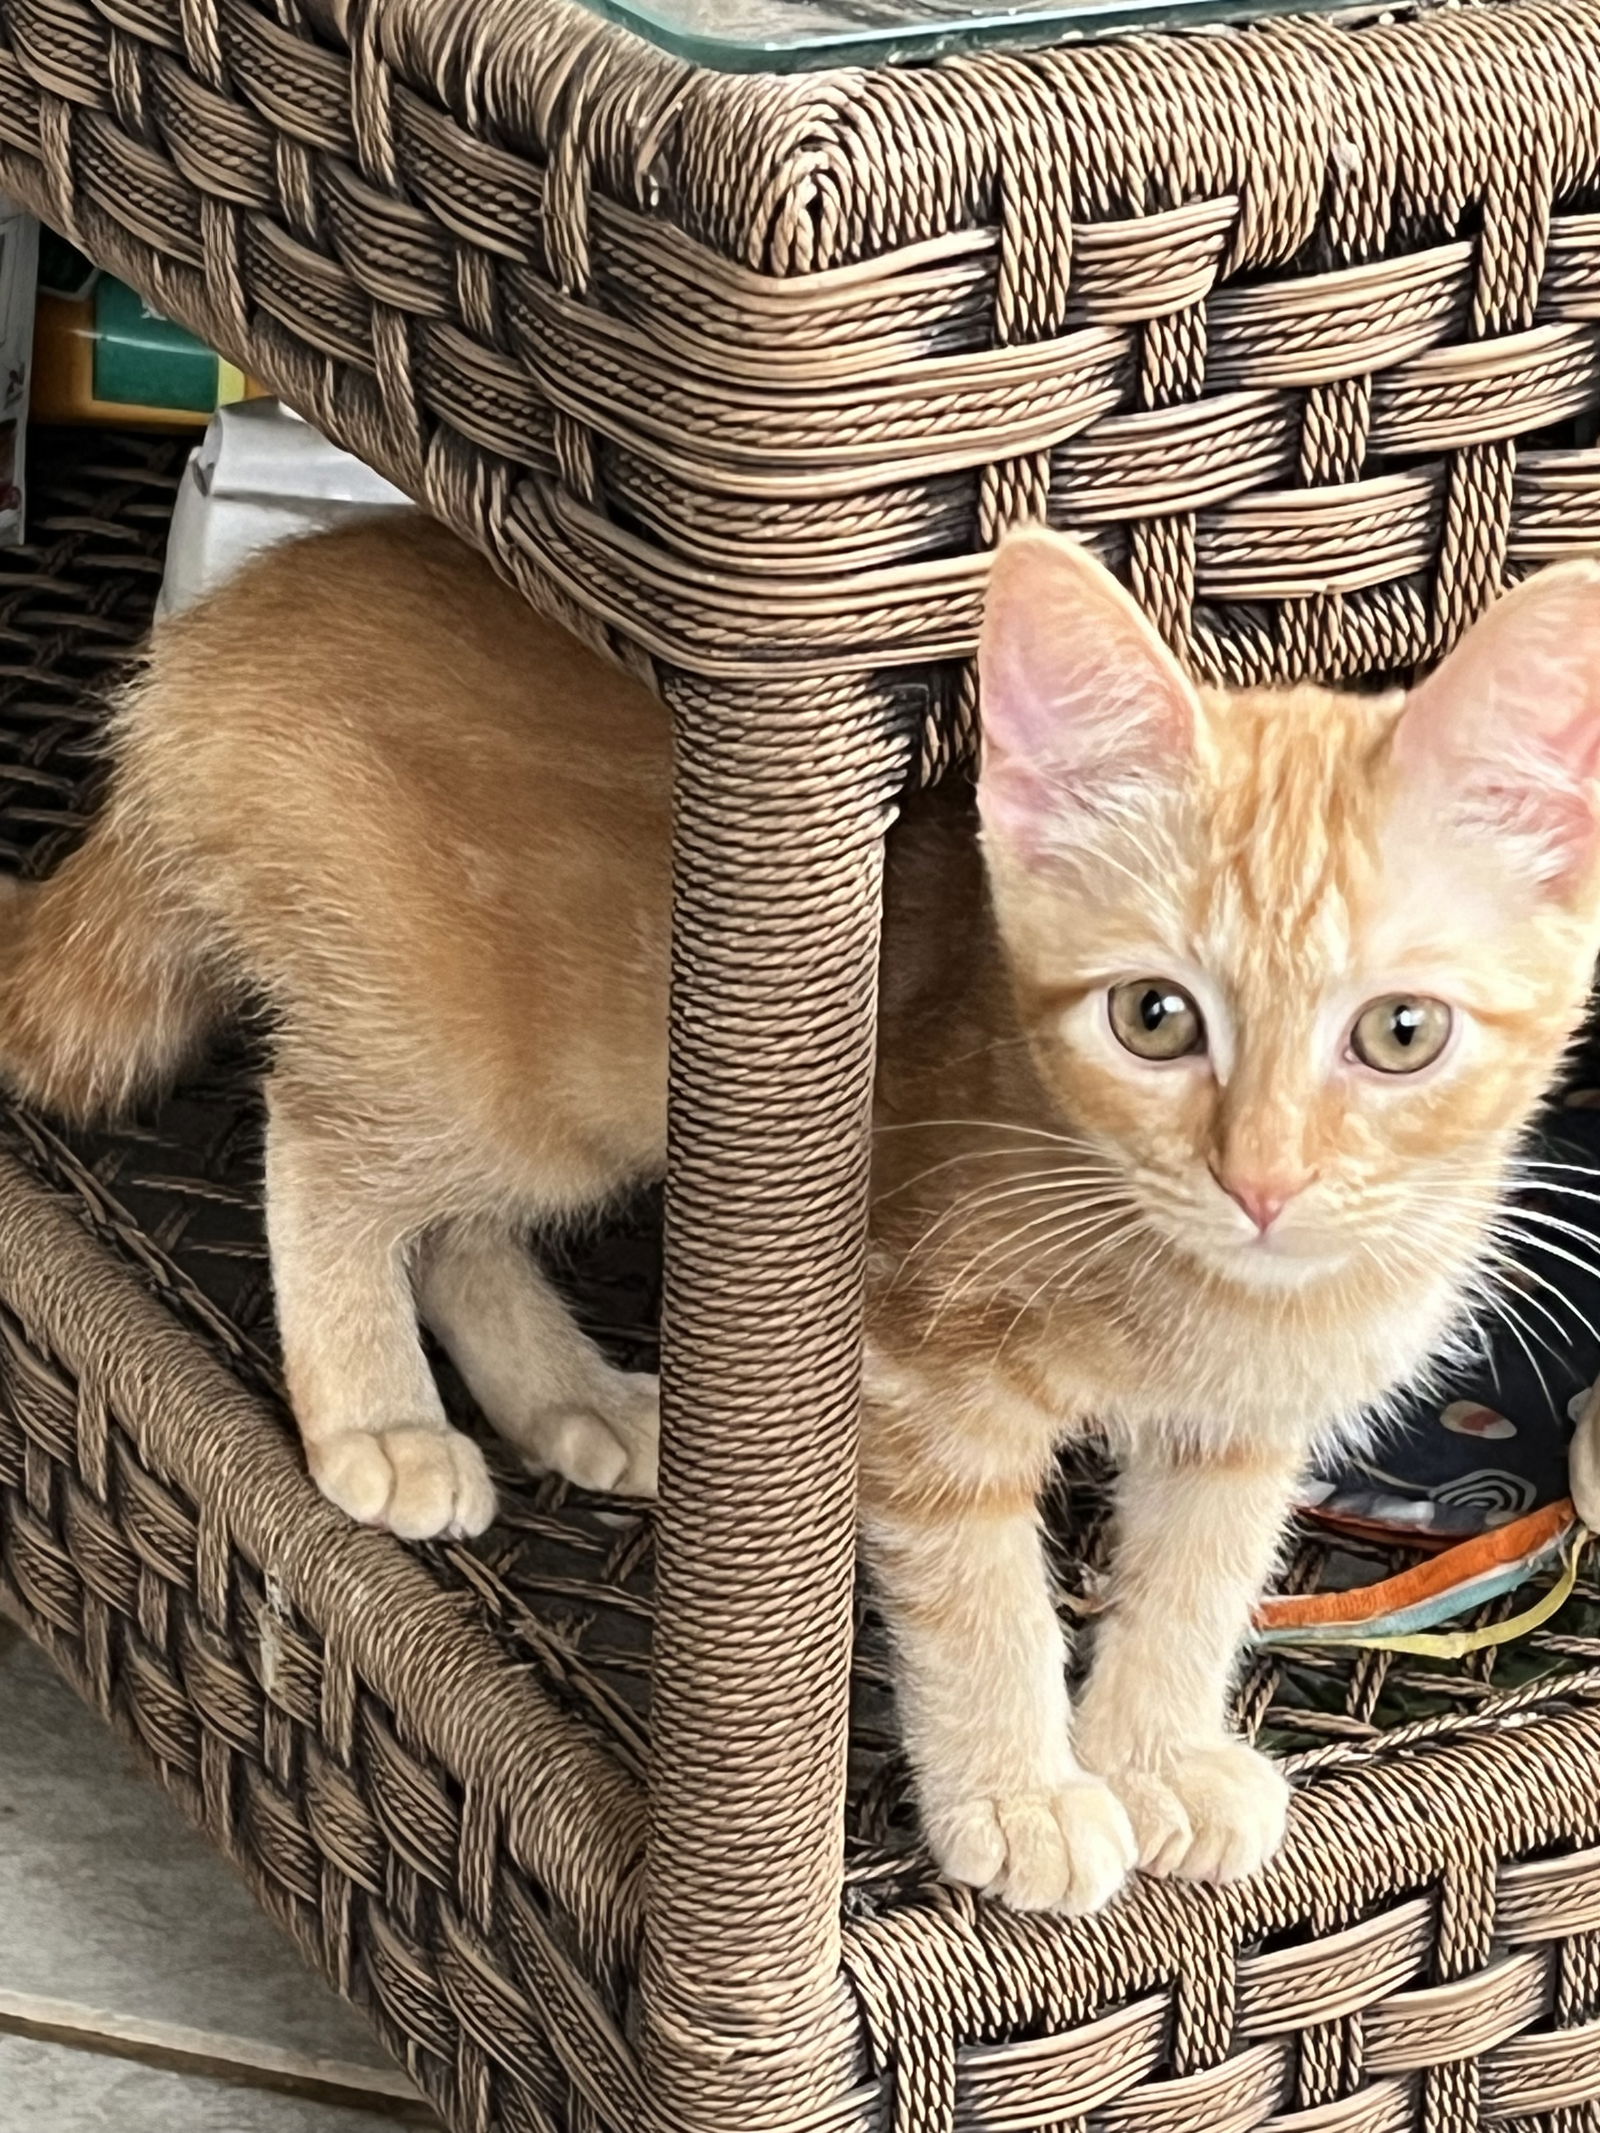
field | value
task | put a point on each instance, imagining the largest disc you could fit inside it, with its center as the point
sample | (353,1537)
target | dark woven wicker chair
(740,376)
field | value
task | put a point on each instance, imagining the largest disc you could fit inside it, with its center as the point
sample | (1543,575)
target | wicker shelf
(741,377)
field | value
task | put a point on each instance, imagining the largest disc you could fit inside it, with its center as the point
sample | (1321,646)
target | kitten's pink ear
(1083,705)
(1504,739)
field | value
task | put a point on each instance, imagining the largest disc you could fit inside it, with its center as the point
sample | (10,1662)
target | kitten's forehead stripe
(1294,812)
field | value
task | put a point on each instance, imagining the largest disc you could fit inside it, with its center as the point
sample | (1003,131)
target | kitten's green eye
(1156,1019)
(1400,1035)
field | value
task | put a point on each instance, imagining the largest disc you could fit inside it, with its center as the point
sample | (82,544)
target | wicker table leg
(783,799)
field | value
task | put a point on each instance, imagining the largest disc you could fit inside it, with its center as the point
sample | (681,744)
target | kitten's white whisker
(967,1155)
(1555,1251)
(1058,1277)
(1519,1333)
(1085,1161)
(1555,1188)
(975,1208)
(987,1265)
(1031,1182)
(1517,1213)
(1043,1134)
(976,1269)
(1518,1270)
(1087,1253)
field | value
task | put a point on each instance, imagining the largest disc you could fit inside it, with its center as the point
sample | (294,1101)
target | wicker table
(741,376)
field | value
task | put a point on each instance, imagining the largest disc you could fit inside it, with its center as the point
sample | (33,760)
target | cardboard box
(100,354)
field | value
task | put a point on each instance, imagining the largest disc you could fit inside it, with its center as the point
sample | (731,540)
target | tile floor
(110,1903)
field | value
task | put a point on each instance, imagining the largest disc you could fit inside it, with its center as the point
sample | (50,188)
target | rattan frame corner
(741,378)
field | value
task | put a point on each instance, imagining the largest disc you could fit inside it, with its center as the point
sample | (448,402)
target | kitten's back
(365,780)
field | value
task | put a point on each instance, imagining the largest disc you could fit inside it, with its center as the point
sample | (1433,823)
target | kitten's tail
(105,989)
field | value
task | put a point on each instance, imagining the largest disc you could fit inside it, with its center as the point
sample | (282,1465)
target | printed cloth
(1493,1448)
(1480,1470)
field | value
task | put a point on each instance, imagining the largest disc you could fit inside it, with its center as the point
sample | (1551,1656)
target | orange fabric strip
(1468,1559)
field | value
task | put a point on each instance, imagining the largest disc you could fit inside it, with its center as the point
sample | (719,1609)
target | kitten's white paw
(1217,1814)
(610,1444)
(419,1481)
(1069,1849)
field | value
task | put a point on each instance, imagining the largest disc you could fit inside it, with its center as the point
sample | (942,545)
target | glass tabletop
(792,36)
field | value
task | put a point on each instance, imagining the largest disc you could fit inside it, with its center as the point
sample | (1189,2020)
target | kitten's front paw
(1217,1814)
(611,1445)
(1068,1849)
(419,1481)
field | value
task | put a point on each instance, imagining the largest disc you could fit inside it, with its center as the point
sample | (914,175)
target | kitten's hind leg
(540,1380)
(375,1432)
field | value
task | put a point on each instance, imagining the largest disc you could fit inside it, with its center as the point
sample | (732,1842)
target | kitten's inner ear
(1503,741)
(1084,707)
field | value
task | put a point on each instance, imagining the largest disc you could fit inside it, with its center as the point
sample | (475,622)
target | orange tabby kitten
(1201,1072)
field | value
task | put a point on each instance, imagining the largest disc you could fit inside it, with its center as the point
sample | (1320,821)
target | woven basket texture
(428,1763)
(746,373)
(741,377)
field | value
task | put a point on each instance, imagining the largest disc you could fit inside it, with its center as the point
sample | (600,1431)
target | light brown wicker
(741,377)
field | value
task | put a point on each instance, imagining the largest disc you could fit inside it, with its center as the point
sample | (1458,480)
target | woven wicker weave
(428,1763)
(740,377)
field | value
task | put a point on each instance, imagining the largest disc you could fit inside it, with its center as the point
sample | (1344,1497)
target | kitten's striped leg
(1195,1546)
(541,1381)
(981,1689)
(375,1433)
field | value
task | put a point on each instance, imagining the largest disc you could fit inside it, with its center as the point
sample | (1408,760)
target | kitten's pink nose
(1263,1199)
(1262,1203)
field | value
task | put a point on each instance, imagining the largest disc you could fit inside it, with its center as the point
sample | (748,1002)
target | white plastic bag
(260,475)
